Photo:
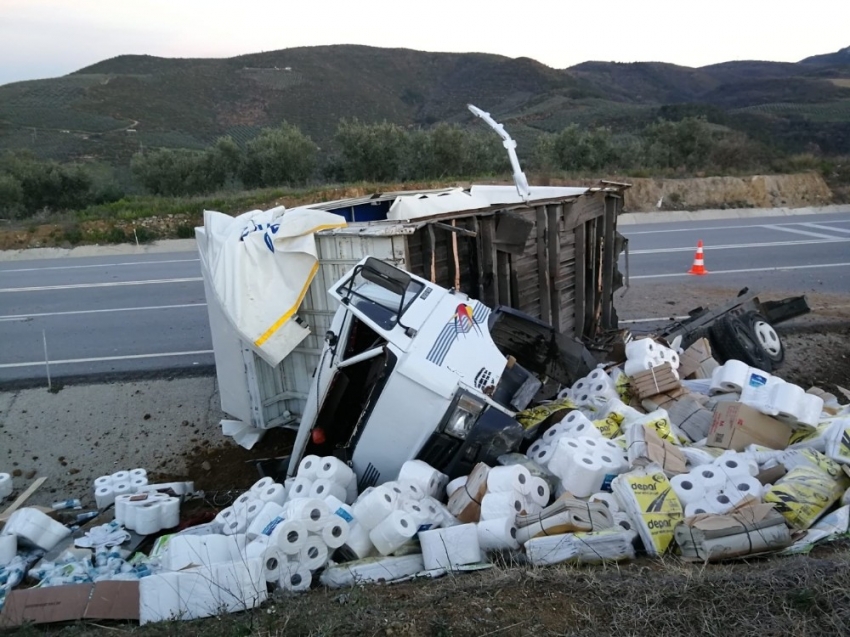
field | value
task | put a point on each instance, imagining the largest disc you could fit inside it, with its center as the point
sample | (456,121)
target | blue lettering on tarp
(345,515)
(268,230)
(271,526)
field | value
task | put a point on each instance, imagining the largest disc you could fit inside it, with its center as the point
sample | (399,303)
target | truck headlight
(463,416)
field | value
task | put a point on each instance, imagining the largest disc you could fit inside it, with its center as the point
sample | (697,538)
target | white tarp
(261,264)
(495,195)
(414,206)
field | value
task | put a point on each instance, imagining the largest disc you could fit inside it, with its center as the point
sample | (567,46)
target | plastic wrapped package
(804,494)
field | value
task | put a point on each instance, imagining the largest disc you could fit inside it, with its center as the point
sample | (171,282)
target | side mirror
(331,339)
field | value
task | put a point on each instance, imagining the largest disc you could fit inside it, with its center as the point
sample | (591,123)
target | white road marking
(709,229)
(20,317)
(98,265)
(796,231)
(106,359)
(111,284)
(775,269)
(821,227)
(739,246)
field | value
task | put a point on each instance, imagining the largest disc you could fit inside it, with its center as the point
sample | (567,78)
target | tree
(11,196)
(279,156)
(684,144)
(372,152)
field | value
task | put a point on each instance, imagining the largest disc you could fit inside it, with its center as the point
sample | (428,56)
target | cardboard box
(685,411)
(657,380)
(737,425)
(465,503)
(697,361)
(103,600)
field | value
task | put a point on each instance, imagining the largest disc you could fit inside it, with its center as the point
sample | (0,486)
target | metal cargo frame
(555,260)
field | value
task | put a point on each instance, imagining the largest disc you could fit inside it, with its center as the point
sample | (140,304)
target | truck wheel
(733,338)
(766,337)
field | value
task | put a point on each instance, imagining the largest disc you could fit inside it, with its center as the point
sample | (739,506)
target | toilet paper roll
(787,401)
(137,483)
(300,488)
(34,527)
(289,536)
(456,484)
(274,561)
(600,374)
(623,521)
(323,487)
(640,348)
(417,512)
(584,476)
(608,499)
(311,511)
(121,476)
(272,493)
(543,456)
(249,510)
(170,513)
(138,473)
(104,496)
(373,508)
(257,547)
(336,470)
(269,512)
(695,508)
(392,532)
(498,534)
(740,487)
(667,355)
(539,492)
(536,446)
(148,518)
(358,545)
(574,418)
(409,490)
(450,548)
(729,377)
(122,508)
(563,454)
(335,532)
(295,578)
(308,468)
(736,465)
(508,479)
(718,502)
(244,499)
(810,410)
(8,549)
(340,508)
(420,473)
(708,477)
(233,520)
(688,488)
(314,553)
(501,505)
(122,488)
(103,481)
(635,366)
(261,485)
(551,435)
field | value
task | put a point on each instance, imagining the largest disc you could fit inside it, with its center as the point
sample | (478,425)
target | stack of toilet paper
(583,464)
(720,486)
(107,488)
(644,354)
(319,477)
(594,389)
(255,508)
(512,491)
(32,528)
(147,513)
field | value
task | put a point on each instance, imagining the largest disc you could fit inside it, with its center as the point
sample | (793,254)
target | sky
(47,38)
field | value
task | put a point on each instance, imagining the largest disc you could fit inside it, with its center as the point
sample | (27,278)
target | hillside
(111,109)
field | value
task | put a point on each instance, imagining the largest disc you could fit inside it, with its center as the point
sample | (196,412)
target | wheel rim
(768,338)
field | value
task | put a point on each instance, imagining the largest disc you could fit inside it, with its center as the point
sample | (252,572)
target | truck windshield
(378,304)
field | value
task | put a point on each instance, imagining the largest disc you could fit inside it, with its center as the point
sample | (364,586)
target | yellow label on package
(659,507)
(805,434)
(822,462)
(534,416)
(804,494)
(610,425)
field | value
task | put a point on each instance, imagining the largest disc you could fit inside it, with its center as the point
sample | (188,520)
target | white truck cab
(410,370)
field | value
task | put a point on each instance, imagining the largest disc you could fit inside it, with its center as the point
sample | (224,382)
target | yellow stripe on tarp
(288,314)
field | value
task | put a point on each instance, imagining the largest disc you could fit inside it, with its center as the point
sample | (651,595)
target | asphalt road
(117,315)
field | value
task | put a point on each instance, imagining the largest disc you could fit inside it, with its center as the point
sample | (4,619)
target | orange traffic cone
(699,265)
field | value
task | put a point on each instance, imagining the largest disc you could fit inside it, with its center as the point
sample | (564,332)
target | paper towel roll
(8,549)
(695,508)
(788,400)
(104,496)
(288,535)
(295,578)
(273,561)
(272,493)
(641,347)
(261,485)
(323,487)
(740,487)
(311,511)
(122,507)
(335,532)
(423,475)
(498,534)
(308,468)
(269,512)
(709,477)
(314,553)
(336,470)
(729,377)
(500,505)
(450,548)
(667,355)
(608,499)
(392,532)
(417,512)
(122,488)
(300,488)
(688,488)
(373,508)
(148,518)
(511,478)
(139,473)
(170,513)
(456,484)
(121,476)
(539,491)
(583,476)
(635,366)
(103,481)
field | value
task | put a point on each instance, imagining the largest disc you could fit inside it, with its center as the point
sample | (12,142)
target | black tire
(733,338)
(765,337)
